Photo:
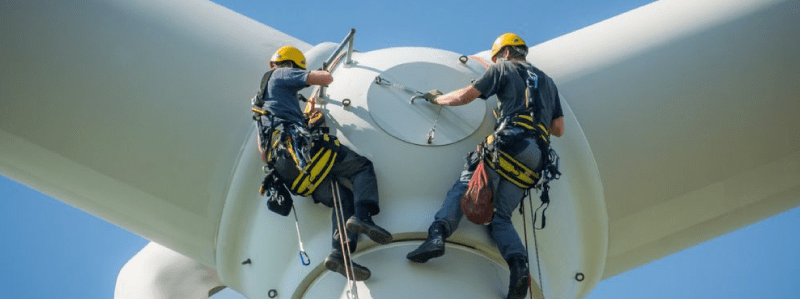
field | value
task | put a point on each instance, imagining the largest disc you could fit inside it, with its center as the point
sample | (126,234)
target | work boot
(336,263)
(519,279)
(432,247)
(363,224)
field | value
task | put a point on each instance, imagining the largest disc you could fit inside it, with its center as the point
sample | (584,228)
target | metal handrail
(348,40)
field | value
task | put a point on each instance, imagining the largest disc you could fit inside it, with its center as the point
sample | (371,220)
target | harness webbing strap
(512,170)
(527,122)
(316,171)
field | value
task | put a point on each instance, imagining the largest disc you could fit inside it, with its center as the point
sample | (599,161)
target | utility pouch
(477,203)
(279,200)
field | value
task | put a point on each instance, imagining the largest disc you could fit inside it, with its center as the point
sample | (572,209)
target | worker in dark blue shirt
(508,77)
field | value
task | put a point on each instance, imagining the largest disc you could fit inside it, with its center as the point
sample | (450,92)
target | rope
(304,259)
(345,245)
(432,131)
(317,93)
(482,62)
(536,245)
(525,231)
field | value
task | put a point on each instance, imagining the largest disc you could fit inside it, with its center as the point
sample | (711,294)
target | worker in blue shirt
(523,119)
(289,157)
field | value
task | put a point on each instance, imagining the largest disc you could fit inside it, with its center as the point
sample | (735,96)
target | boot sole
(520,289)
(374,232)
(359,273)
(421,258)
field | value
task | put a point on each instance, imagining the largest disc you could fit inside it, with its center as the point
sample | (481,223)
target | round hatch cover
(420,122)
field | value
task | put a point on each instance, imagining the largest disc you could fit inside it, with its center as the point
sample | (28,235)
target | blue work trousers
(349,166)
(506,195)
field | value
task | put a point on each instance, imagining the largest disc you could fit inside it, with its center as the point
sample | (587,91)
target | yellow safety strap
(509,168)
(512,170)
(526,121)
(316,171)
(275,142)
(291,150)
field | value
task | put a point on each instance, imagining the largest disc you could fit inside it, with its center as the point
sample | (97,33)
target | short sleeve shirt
(281,95)
(505,79)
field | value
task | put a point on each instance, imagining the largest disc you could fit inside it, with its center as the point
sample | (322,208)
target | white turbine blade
(691,110)
(134,111)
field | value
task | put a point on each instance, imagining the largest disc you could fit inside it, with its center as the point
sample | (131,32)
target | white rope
(345,244)
(304,259)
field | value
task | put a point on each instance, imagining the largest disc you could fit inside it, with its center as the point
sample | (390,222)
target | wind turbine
(661,109)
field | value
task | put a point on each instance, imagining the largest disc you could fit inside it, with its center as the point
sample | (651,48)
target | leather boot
(336,263)
(364,225)
(432,247)
(519,279)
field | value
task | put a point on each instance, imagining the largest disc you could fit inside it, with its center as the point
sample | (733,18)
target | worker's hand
(431,96)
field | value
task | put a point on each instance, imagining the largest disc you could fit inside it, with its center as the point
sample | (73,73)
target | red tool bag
(477,202)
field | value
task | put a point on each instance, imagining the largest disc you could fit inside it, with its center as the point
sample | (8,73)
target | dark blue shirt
(505,79)
(280,97)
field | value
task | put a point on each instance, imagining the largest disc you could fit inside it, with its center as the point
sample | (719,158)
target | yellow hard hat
(290,53)
(507,39)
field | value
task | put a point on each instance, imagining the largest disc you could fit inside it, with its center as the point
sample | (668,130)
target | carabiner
(416,96)
(304,259)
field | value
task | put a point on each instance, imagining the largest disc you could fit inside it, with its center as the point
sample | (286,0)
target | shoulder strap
(532,90)
(262,91)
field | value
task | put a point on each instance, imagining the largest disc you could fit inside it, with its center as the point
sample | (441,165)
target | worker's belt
(526,122)
(511,130)
(508,167)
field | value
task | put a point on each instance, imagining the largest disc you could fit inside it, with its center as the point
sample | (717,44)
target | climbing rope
(343,241)
(535,243)
(481,61)
(317,93)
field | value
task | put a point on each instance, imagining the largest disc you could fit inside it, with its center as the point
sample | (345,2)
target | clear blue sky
(51,250)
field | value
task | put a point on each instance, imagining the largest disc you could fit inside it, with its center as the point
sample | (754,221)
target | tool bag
(279,200)
(477,203)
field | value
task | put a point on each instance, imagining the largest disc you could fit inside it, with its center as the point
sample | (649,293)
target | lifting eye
(463,59)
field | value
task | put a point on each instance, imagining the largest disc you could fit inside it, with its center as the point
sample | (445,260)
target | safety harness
(313,150)
(514,127)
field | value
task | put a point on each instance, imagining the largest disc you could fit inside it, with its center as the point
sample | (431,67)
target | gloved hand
(431,96)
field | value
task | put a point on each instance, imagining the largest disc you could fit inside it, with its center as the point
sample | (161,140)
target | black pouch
(508,136)
(279,200)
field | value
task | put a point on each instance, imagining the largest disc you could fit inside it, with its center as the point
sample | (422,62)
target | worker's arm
(323,78)
(557,127)
(459,97)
